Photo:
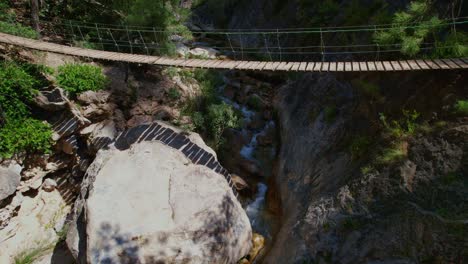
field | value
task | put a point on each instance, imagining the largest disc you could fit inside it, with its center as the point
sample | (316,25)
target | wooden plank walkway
(363,66)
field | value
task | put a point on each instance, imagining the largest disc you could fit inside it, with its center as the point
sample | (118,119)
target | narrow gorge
(106,161)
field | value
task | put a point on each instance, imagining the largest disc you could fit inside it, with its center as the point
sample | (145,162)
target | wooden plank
(303,66)
(261,65)
(325,66)
(248,65)
(441,64)
(332,66)
(318,66)
(379,66)
(254,66)
(214,64)
(340,66)
(310,66)
(451,64)
(269,66)
(295,66)
(356,66)
(404,65)
(422,65)
(387,66)
(396,66)
(413,65)
(371,66)
(432,64)
(242,65)
(281,66)
(192,63)
(460,63)
(363,66)
(348,66)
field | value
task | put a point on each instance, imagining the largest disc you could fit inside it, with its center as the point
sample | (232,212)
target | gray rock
(9,181)
(54,100)
(49,185)
(150,204)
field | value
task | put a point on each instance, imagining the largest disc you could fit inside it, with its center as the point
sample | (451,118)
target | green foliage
(30,256)
(410,28)
(329,114)
(401,128)
(324,11)
(9,25)
(174,93)
(209,115)
(367,88)
(17,87)
(24,135)
(18,30)
(77,78)
(350,224)
(461,107)
(220,117)
(359,147)
(392,154)
(454,45)
(20,133)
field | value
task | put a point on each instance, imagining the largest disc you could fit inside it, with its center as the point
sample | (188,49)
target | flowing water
(261,219)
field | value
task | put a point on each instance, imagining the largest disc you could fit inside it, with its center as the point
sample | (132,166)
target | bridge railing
(310,44)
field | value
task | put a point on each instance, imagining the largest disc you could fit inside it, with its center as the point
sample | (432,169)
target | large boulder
(150,204)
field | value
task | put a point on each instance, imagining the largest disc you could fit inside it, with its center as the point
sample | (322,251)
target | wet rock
(250,168)
(229,92)
(254,101)
(69,145)
(54,100)
(256,123)
(258,242)
(239,183)
(9,181)
(49,185)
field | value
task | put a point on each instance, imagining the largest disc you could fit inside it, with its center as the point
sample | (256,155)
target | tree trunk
(35,15)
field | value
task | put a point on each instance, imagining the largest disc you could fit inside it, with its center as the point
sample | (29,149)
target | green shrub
(359,146)
(18,30)
(410,28)
(330,113)
(17,87)
(401,128)
(367,88)
(392,154)
(173,93)
(461,107)
(8,24)
(77,78)
(24,135)
(30,256)
(198,121)
(219,118)
(454,45)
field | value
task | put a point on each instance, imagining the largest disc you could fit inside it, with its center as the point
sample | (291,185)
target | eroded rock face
(9,181)
(150,203)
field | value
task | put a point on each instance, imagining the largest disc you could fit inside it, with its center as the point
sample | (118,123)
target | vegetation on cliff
(19,132)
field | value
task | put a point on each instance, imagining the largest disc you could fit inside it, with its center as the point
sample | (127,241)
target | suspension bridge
(142,45)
